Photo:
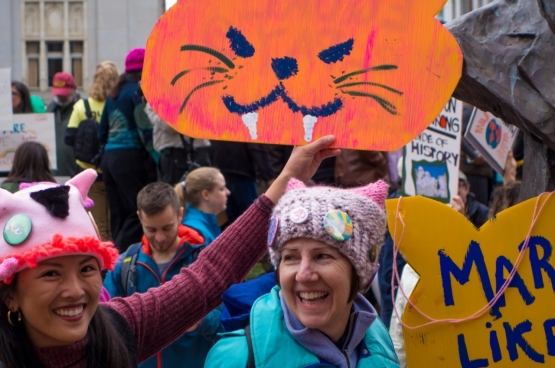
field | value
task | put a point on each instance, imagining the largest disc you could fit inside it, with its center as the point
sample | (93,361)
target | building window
(76,50)
(32,49)
(54,33)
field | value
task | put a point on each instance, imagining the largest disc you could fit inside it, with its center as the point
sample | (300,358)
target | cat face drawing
(375,73)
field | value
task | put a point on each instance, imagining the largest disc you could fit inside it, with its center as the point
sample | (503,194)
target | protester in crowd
(355,167)
(479,174)
(21,99)
(166,247)
(241,164)
(465,202)
(30,165)
(505,196)
(65,95)
(124,158)
(177,151)
(105,78)
(52,280)
(324,243)
(38,104)
(204,194)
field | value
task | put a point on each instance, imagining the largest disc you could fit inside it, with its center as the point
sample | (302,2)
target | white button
(298,215)
(364,351)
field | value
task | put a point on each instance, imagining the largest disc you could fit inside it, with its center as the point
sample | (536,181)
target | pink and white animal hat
(351,220)
(47,220)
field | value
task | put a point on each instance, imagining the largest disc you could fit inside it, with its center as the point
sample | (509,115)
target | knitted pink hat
(351,220)
(47,220)
(135,59)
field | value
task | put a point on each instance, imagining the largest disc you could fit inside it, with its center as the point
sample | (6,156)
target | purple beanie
(351,220)
(135,59)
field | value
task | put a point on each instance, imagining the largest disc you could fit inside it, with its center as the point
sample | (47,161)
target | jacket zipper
(351,328)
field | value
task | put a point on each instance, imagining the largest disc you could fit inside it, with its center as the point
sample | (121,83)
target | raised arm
(162,314)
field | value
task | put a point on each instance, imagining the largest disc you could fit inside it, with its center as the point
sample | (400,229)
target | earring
(10,318)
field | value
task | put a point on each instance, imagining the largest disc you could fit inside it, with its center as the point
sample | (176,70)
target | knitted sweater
(162,314)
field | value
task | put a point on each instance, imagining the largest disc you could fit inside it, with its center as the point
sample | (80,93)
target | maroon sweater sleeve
(162,314)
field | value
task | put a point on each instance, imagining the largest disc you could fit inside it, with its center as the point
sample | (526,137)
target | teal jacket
(205,223)
(273,345)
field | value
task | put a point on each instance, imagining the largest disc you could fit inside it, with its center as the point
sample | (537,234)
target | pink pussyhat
(351,220)
(48,220)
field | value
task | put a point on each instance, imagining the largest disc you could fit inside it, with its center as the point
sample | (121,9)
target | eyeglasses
(16,94)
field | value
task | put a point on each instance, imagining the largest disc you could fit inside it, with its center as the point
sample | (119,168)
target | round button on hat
(17,229)
(298,215)
(338,225)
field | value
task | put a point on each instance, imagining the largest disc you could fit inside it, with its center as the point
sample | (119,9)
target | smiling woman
(324,243)
(50,280)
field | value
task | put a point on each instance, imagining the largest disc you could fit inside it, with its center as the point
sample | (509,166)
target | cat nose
(285,67)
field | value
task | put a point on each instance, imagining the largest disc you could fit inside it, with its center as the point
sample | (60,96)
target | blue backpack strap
(129,269)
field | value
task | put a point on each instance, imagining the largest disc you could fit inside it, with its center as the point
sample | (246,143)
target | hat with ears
(135,59)
(48,220)
(351,220)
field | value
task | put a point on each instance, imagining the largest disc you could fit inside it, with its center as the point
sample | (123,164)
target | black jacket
(246,159)
(476,212)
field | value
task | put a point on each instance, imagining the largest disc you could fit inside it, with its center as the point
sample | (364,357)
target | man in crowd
(465,202)
(166,247)
(64,92)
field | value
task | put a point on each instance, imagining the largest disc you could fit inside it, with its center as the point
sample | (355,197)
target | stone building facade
(41,37)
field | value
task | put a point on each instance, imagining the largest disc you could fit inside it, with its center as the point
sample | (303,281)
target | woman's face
(315,281)
(57,299)
(16,98)
(216,199)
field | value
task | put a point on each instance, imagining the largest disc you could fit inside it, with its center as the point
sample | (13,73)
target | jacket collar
(187,235)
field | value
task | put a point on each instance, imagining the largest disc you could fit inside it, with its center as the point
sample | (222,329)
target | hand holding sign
(462,269)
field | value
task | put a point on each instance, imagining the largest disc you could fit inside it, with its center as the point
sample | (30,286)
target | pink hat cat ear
(376,191)
(294,184)
(83,182)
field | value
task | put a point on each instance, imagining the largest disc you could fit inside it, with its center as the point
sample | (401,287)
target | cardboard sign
(6,111)
(373,73)
(461,269)
(492,137)
(431,160)
(28,127)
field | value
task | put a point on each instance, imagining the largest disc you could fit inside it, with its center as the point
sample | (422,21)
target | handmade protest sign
(431,160)
(24,128)
(462,269)
(5,98)
(492,137)
(373,73)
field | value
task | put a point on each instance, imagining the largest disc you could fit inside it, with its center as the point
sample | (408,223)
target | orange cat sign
(372,72)
(493,288)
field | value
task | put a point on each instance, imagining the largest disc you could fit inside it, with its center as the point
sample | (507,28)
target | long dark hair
(30,164)
(105,349)
(25,106)
(134,76)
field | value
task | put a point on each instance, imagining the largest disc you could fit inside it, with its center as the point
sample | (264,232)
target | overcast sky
(169,3)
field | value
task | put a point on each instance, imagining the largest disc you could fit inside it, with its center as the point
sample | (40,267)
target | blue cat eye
(239,44)
(337,53)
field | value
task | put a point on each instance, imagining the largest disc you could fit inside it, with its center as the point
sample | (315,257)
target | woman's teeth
(69,312)
(313,296)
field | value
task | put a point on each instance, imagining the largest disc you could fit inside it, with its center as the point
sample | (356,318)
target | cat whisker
(363,71)
(202,85)
(224,59)
(387,106)
(370,84)
(213,69)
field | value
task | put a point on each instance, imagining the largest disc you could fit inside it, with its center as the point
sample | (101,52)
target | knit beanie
(351,220)
(135,59)
(48,220)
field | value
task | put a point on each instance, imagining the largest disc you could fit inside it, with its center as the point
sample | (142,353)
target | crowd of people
(177,221)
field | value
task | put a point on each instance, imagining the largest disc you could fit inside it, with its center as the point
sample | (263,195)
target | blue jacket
(191,349)
(273,345)
(118,128)
(205,223)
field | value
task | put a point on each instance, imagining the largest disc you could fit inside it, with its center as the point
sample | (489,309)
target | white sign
(492,137)
(5,98)
(431,160)
(25,128)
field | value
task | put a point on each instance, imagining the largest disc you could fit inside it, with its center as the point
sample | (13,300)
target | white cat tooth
(250,120)
(308,122)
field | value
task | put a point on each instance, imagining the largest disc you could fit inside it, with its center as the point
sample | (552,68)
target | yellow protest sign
(462,269)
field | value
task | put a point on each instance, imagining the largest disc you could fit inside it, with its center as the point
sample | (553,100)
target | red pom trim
(104,251)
